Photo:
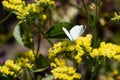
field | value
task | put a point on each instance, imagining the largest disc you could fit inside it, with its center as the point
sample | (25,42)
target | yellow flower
(85,42)
(58,62)
(28,54)
(71,70)
(116,17)
(65,73)
(115,72)
(94,53)
(108,50)
(53,64)
(24,10)
(51,53)
(24,62)
(10,68)
(12,65)
(78,58)
(15,1)
(15,67)
(9,63)
(34,8)
(52,2)
(4,70)
(57,47)
(116,57)
(44,17)
(74,51)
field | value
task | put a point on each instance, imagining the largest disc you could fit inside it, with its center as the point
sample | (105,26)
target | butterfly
(75,32)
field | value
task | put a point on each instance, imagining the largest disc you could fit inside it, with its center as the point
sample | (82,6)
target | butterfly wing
(67,33)
(76,31)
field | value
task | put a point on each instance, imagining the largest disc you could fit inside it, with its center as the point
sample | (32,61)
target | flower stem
(95,32)
(5,18)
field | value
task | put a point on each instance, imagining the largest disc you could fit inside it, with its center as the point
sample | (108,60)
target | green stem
(85,7)
(39,40)
(93,75)
(31,23)
(87,12)
(95,36)
(40,32)
(5,18)
(95,32)
(92,22)
(35,57)
(50,18)
(38,45)
(96,14)
(37,51)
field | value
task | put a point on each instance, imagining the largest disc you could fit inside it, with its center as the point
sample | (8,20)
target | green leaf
(27,36)
(48,77)
(43,62)
(39,77)
(26,74)
(57,32)
(40,70)
(3,77)
(17,35)
(23,35)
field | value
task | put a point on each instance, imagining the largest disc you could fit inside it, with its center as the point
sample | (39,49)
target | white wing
(67,33)
(76,31)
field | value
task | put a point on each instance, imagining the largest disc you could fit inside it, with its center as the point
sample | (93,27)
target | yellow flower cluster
(24,63)
(23,9)
(65,73)
(28,54)
(109,50)
(115,75)
(25,59)
(75,51)
(27,37)
(15,67)
(62,71)
(58,62)
(116,17)
(60,47)
(11,68)
(83,44)
(67,49)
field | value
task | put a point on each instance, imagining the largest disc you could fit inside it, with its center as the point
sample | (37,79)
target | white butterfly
(75,32)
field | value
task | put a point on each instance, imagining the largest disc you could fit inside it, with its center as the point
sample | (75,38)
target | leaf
(57,32)
(22,34)
(3,77)
(43,62)
(17,35)
(38,78)
(27,36)
(48,77)
(40,70)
